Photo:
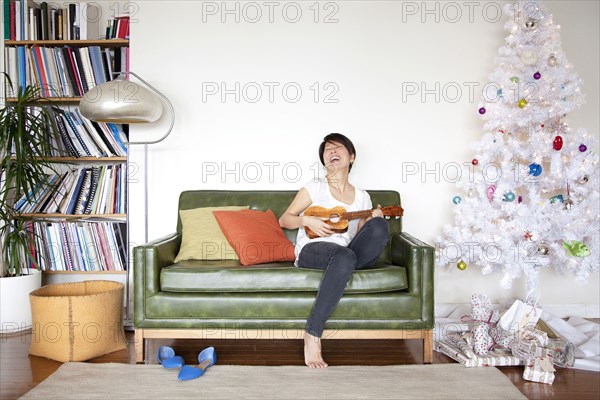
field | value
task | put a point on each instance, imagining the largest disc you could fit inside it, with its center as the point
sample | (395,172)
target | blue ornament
(557,198)
(535,169)
(508,196)
(456,200)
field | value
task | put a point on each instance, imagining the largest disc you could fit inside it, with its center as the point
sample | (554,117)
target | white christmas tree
(529,199)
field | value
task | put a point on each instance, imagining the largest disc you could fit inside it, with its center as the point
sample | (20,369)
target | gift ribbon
(468,318)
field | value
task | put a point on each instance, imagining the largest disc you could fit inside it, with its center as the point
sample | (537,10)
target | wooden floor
(20,372)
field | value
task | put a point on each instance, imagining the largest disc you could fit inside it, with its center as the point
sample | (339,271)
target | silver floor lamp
(121,101)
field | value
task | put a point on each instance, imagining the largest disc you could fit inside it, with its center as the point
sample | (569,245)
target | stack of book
(77,136)
(63,71)
(84,191)
(78,246)
(28,20)
(118,27)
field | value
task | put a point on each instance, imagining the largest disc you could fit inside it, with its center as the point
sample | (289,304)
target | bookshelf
(79,220)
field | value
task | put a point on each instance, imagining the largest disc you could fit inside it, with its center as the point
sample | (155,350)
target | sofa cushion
(230,276)
(255,236)
(202,238)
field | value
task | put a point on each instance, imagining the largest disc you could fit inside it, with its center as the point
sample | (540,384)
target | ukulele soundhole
(334,218)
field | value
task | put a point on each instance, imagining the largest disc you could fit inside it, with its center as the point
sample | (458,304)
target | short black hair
(338,138)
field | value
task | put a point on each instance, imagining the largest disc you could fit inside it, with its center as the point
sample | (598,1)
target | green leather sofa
(224,300)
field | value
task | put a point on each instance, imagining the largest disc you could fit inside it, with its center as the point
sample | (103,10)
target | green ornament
(576,248)
(514,79)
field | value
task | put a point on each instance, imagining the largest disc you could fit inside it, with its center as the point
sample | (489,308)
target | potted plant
(25,129)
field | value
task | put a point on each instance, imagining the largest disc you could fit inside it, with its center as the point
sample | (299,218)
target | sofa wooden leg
(427,347)
(139,345)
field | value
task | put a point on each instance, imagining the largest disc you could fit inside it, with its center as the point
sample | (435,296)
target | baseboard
(443,310)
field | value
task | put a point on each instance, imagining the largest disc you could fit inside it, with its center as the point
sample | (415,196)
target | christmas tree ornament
(543,249)
(535,169)
(499,92)
(522,103)
(582,148)
(490,192)
(568,203)
(528,235)
(583,180)
(552,60)
(528,57)
(558,143)
(531,24)
(475,162)
(557,198)
(471,193)
(520,199)
(508,196)
(514,79)
(482,110)
(461,265)
(537,75)
(576,248)
(456,199)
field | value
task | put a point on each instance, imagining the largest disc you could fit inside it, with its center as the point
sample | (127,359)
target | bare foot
(312,352)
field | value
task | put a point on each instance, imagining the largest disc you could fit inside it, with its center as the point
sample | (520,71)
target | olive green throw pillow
(201,236)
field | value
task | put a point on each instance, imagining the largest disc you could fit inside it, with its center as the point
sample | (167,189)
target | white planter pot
(15,311)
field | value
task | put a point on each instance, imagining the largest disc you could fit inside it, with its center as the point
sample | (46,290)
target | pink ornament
(490,192)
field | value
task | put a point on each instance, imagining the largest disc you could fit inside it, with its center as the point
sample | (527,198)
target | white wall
(365,57)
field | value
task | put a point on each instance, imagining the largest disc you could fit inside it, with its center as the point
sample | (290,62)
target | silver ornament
(583,180)
(543,249)
(528,57)
(568,204)
(552,60)
(531,24)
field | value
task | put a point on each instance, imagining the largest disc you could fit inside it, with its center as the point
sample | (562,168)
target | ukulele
(338,218)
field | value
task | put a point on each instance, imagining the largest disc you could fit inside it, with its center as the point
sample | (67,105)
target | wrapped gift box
(539,368)
(456,347)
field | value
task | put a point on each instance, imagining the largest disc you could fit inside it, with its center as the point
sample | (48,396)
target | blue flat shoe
(206,358)
(167,358)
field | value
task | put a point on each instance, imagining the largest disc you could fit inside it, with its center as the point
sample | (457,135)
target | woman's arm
(376,213)
(291,218)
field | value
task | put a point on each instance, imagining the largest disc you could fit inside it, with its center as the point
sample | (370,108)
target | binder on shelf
(92,193)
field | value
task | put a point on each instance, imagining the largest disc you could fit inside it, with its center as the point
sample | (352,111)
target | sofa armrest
(148,260)
(417,257)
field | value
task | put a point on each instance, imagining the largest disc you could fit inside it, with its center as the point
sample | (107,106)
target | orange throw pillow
(255,236)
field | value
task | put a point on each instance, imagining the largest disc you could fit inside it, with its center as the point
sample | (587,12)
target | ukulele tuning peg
(397,218)
(387,217)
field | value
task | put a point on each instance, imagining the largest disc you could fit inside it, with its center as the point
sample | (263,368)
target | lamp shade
(122,102)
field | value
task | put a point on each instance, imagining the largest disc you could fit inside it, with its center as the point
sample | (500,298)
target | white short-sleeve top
(320,195)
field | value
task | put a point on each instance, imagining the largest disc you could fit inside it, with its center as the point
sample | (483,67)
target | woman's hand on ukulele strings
(317,225)
(377,212)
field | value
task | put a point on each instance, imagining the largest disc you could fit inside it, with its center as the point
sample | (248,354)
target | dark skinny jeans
(339,263)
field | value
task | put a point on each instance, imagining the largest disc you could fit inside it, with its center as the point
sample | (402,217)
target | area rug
(123,381)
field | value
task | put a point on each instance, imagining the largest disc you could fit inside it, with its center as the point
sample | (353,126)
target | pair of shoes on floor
(167,358)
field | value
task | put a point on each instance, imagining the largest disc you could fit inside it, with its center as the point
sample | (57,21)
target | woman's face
(336,156)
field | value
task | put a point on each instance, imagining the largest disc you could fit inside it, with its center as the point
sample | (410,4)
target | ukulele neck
(356,214)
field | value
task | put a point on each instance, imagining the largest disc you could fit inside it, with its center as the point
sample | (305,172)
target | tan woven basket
(77,321)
